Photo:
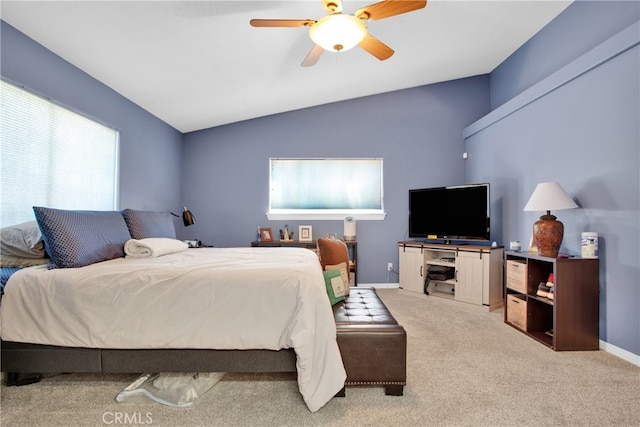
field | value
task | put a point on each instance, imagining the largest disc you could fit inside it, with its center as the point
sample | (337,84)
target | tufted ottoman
(372,343)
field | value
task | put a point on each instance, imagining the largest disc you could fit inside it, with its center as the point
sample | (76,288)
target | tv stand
(477,271)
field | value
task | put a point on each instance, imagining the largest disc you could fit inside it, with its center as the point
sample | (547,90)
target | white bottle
(589,244)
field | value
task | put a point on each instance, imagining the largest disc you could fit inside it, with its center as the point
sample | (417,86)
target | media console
(465,272)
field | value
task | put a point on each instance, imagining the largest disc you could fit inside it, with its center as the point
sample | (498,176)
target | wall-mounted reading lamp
(187,217)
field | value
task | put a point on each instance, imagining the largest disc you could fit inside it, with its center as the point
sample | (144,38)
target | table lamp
(547,231)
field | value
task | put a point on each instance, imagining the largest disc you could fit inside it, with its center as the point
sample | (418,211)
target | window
(51,156)
(325,189)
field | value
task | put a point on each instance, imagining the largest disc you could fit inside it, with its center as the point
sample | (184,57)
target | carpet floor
(465,367)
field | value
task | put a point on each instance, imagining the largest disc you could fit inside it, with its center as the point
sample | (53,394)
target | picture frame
(266,235)
(332,236)
(305,233)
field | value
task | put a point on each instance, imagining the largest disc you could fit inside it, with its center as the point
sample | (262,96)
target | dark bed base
(20,357)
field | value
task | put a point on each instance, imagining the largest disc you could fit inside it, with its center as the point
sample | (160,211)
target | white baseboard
(380,285)
(621,353)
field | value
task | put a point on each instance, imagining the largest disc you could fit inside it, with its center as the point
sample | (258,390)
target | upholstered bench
(372,343)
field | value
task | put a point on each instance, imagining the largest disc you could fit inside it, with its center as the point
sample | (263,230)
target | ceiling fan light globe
(337,33)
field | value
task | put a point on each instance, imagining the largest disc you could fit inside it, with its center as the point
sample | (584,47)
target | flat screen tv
(458,212)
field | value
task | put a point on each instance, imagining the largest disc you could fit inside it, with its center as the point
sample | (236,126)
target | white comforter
(235,298)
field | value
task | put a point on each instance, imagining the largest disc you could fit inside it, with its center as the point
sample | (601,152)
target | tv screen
(451,213)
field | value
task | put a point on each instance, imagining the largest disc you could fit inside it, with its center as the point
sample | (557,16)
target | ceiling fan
(337,32)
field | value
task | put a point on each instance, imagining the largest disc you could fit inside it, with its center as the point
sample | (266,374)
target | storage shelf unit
(477,271)
(352,247)
(569,321)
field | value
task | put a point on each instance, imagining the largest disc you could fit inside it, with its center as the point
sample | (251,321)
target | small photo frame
(304,231)
(332,236)
(266,235)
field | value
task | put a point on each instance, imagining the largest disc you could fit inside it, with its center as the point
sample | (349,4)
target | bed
(206,309)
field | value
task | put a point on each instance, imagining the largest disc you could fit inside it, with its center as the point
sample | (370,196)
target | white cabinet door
(470,275)
(412,271)
(493,279)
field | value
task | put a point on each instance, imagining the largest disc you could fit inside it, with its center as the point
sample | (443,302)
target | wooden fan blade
(332,6)
(388,8)
(376,48)
(312,56)
(281,22)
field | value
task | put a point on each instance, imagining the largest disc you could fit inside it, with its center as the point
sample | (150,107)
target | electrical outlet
(389,266)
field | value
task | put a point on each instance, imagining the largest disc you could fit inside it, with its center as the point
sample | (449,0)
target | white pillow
(22,240)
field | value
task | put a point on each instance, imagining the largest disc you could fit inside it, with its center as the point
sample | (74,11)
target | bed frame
(20,359)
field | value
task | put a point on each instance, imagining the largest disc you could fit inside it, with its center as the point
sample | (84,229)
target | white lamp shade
(337,33)
(549,196)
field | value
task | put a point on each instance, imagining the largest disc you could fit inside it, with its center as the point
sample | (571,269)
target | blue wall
(576,123)
(418,133)
(150,150)
(582,26)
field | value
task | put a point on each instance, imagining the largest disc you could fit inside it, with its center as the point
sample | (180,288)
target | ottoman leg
(393,390)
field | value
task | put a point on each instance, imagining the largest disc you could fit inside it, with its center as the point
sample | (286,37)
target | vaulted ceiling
(199,64)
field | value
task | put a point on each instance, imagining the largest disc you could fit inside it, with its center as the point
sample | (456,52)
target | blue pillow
(78,238)
(145,224)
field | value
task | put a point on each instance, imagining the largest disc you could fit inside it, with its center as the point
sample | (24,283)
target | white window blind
(51,156)
(326,188)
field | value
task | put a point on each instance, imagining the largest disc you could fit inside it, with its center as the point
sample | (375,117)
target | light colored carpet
(465,368)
